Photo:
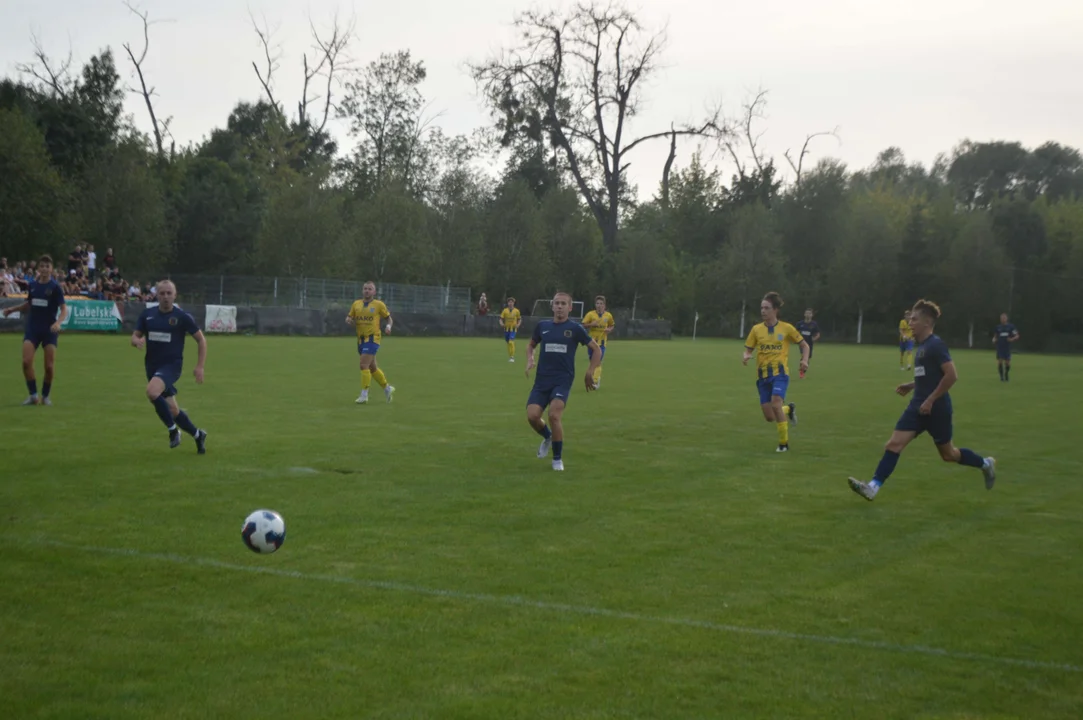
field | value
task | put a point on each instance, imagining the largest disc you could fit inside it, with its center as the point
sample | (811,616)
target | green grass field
(435,568)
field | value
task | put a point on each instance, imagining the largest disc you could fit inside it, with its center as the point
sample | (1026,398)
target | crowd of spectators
(83,275)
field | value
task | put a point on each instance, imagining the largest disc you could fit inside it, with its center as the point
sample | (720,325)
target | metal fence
(316,293)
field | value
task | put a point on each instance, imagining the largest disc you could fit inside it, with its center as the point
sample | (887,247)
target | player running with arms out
(810,331)
(929,409)
(558,339)
(44,299)
(1003,337)
(365,315)
(906,343)
(599,323)
(162,331)
(510,320)
(771,340)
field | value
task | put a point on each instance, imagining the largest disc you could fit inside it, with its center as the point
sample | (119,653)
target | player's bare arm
(747,356)
(805,350)
(25,307)
(137,339)
(60,320)
(530,356)
(389,323)
(595,361)
(949,379)
(201,358)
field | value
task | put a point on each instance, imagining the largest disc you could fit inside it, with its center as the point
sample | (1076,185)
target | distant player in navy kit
(810,331)
(930,408)
(558,338)
(162,329)
(1003,337)
(44,299)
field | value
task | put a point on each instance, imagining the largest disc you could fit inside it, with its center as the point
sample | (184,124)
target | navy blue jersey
(808,330)
(45,300)
(558,343)
(928,359)
(165,333)
(1002,333)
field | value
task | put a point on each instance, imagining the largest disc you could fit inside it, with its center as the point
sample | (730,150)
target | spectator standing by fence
(483,305)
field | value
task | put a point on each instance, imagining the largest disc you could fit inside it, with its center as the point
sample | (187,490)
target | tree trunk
(742,333)
(860,320)
(970,336)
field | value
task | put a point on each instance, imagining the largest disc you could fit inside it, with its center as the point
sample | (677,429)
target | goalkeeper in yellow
(599,323)
(366,315)
(510,320)
(771,340)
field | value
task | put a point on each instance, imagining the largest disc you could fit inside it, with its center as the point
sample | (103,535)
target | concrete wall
(332,321)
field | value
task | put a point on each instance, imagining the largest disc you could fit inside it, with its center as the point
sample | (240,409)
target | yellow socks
(366,379)
(783,433)
(786,410)
(380,378)
(511,348)
(598,374)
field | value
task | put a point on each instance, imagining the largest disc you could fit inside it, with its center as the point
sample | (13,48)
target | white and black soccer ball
(264,531)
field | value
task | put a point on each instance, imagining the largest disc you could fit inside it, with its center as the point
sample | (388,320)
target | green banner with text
(92,315)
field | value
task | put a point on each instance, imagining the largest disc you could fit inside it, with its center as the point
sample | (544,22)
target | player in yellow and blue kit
(599,323)
(366,315)
(510,320)
(771,340)
(906,343)
(930,407)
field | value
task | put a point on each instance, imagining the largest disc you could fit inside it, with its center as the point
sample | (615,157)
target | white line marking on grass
(517,601)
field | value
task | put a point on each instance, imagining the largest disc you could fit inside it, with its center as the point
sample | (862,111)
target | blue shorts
(509,335)
(169,374)
(1004,353)
(906,346)
(546,394)
(937,423)
(367,348)
(772,386)
(590,353)
(41,336)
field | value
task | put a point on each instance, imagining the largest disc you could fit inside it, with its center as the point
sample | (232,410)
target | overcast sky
(921,75)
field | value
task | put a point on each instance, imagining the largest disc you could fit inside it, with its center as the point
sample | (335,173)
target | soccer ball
(264,531)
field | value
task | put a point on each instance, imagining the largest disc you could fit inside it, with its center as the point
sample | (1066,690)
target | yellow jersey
(904,330)
(510,318)
(772,346)
(598,334)
(366,319)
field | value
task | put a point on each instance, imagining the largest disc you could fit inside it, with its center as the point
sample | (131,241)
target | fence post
(276,290)
(221,287)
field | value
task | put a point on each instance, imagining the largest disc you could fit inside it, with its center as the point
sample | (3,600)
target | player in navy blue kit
(44,299)
(930,408)
(810,331)
(1003,337)
(162,329)
(558,339)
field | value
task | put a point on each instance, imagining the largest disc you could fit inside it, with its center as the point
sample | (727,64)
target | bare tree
(575,80)
(798,166)
(57,78)
(668,167)
(266,78)
(329,59)
(161,127)
(753,111)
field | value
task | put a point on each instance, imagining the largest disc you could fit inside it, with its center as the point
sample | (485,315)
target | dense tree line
(988,227)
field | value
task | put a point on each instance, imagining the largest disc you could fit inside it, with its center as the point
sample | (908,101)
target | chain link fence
(316,293)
